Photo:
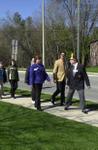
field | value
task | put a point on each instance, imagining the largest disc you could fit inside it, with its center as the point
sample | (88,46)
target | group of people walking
(10,75)
(72,75)
(65,74)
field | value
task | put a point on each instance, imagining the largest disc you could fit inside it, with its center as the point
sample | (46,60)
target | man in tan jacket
(59,77)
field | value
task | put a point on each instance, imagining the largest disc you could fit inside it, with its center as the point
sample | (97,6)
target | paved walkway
(74,113)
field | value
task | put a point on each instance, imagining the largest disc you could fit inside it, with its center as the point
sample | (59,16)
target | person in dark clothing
(13,77)
(77,77)
(37,77)
(3,79)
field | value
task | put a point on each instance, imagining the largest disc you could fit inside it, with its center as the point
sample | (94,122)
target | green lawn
(25,129)
(26,93)
(92,69)
(89,69)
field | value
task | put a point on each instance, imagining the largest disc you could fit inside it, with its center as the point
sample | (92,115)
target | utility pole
(43,31)
(78,30)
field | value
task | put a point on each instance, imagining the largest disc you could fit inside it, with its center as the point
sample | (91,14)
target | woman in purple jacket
(37,77)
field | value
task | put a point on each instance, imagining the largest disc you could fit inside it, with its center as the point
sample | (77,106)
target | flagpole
(43,31)
(78,30)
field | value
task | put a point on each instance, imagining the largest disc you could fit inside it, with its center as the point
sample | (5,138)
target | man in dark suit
(77,77)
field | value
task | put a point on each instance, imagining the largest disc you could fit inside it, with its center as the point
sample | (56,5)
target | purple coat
(38,74)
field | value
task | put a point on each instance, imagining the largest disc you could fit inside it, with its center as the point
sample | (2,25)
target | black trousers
(60,88)
(32,93)
(37,88)
(14,86)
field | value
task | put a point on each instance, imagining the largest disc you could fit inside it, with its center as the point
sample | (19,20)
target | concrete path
(74,113)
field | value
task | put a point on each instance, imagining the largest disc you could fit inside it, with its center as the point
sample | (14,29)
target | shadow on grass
(45,87)
(46,100)
(24,93)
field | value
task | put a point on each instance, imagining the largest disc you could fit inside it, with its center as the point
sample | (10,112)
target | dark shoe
(66,108)
(39,109)
(52,101)
(85,111)
(13,97)
(68,103)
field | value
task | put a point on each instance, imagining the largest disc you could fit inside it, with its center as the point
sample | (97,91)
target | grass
(89,69)
(92,69)
(26,93)
(25,129)
(49,70)
(22,69)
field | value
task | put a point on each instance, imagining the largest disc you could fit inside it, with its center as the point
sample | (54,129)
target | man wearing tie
(77,77)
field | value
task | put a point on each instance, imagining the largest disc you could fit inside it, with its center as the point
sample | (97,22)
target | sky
(24,7)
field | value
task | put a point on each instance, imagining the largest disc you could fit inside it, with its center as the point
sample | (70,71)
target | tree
(57,32)
(88,19)
(27,34)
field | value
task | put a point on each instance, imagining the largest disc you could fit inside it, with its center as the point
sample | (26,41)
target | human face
(62,56)
(38,61)
(1,65)
(72,61)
